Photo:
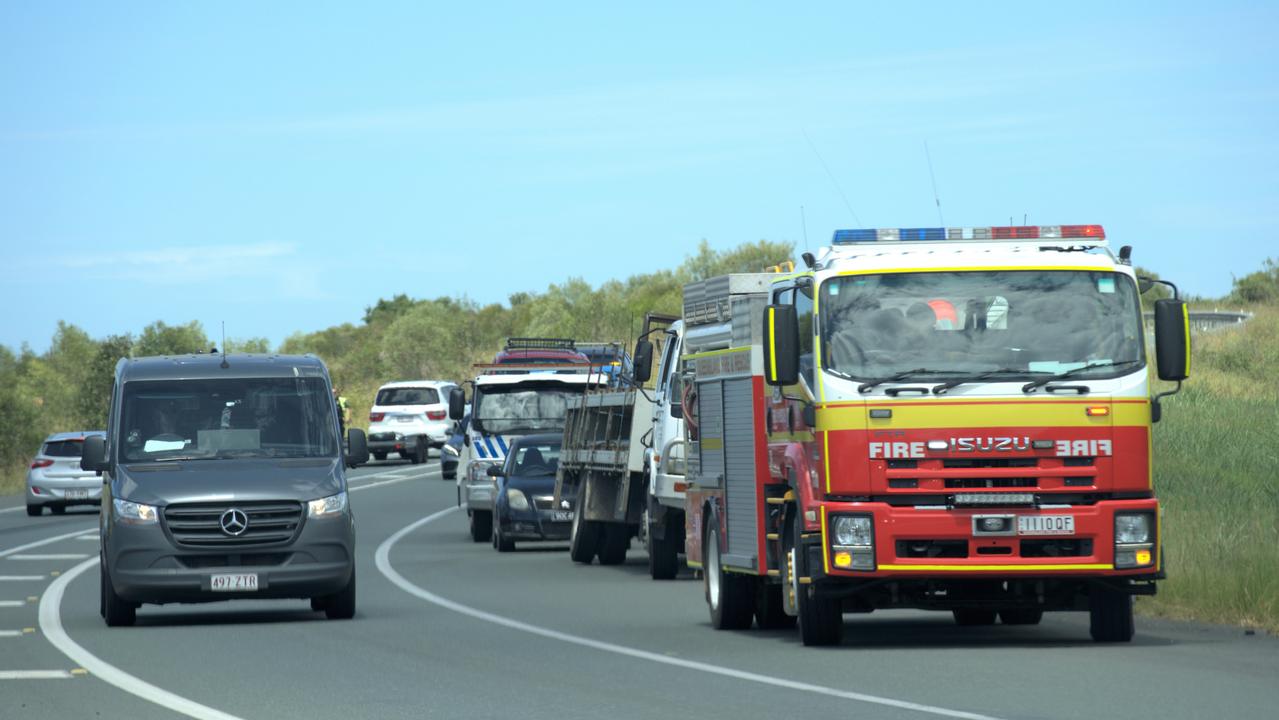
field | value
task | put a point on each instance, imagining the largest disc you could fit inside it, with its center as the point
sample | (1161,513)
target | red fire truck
(952,419)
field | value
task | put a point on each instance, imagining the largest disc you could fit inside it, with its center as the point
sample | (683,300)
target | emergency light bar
(1013,232)
(530,343)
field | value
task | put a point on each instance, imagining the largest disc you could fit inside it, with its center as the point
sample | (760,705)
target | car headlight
(1132,528)
(853,530)
(516,500)
(135,513)
(327,506)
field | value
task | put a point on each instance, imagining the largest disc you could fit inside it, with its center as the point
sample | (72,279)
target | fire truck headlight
(1132,528)
(854,530)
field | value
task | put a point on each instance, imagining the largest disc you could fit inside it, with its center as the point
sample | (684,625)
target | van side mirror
(643,361)
(457,404)
(357,452)
(1172,340)
(93,455)
(781,345)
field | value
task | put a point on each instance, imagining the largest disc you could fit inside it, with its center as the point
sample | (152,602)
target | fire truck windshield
(1036,321)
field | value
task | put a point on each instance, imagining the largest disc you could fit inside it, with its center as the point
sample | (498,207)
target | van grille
(199,524)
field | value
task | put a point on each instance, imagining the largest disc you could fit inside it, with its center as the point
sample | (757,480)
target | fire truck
(953,419)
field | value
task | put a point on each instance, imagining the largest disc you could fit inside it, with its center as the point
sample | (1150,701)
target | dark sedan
(525,507)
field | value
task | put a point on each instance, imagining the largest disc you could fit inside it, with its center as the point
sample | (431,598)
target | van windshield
(227,418)
(523,408)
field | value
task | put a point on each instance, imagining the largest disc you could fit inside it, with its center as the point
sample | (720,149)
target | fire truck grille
(953,463)
(932,548)
(1060,547)
(998,482)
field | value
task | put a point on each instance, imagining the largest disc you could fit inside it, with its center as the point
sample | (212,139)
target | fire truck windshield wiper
(905,375)
(1030,386)
(989,374)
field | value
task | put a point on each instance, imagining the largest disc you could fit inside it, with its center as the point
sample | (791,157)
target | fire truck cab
(954,419)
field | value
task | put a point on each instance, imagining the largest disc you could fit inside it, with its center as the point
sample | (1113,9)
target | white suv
(409,417)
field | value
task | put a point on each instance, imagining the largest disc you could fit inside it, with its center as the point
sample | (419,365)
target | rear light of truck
(41,463)
(376,417)
(436,414)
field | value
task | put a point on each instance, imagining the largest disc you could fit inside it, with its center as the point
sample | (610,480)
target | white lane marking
(10,633)
(50,556)
(12,603)
(51,625)
(90,538)
(12,509)
(392,481)
(34,675)
(382,559)
(46,541)
(21,578)
(410,470)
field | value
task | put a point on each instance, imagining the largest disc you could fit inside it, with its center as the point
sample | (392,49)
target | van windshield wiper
(905,375)
(1030,386)
(178,458)
(943,387)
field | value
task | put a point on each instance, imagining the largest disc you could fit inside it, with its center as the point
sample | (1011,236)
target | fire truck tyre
(972,617)
(481,525)
(584,539)
(1021,616)
(1110,615)
(729,595)
(616,539)
(663,554)
(379,456)
(769,613)
(341,604)
(117,611)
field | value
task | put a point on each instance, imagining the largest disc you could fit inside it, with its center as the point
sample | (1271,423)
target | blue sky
(281,166)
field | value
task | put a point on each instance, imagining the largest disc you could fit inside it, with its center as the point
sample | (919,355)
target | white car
(408,418)
(55,479)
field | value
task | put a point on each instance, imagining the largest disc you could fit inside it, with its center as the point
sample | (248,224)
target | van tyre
(341,605)
(729,596)
(615,541)
(481,525)
(1021,616)
(117,611)
(973,617)
(35,510)
(1110,615)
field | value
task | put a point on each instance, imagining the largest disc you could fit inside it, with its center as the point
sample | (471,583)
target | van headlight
(477,472)
(135,513)
(853,542)
(327,506)
(516,499)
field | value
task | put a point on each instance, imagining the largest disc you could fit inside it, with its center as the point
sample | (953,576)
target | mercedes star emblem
(234,522)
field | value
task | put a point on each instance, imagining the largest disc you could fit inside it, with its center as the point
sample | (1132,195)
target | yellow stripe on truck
(772,345)
(1185,319)
(997,568)
(1033,413)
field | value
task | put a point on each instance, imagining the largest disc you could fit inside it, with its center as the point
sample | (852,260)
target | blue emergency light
(1013,232)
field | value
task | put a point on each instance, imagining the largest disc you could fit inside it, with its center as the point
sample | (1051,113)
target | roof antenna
(831,175)
(933,179)
(803,221)
(225,364)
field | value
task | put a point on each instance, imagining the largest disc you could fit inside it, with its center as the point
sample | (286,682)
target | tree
(250,345)
(94,397)
(1156,291)
(1258,287)
(386,311)
(161,339)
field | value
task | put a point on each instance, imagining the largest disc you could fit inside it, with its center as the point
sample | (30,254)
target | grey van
(224,478)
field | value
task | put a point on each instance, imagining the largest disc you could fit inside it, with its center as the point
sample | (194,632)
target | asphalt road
(447,628)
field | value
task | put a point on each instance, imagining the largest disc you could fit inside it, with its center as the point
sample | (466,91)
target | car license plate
(240,582)
(562,515)
(76,494)
(1045,525)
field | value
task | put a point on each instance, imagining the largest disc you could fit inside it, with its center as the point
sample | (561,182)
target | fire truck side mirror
(457,404)
(643,361)
(1172,340)
(781,345)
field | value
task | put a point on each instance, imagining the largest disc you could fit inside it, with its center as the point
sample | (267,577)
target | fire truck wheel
(821,620)
(583,539)
(972,617)
(729,595)
(1021,616)
(663,553)
(481,525)
(769,613)
(1110,615)
(614,543)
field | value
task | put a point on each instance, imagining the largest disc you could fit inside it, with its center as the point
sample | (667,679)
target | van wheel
(35,510)
(117,611)
(1110,615)
(727,594)
(341,605)
(481,525)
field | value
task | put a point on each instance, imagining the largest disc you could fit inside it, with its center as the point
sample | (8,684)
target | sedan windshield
(526,408)
(1008,324)
(238,417)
